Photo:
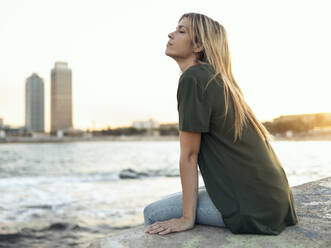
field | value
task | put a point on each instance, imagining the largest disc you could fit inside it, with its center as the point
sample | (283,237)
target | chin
(169,54)
(166,53)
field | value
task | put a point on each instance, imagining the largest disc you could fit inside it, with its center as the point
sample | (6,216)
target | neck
(183,65)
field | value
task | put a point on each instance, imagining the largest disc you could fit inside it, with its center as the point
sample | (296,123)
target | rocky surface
(313,205)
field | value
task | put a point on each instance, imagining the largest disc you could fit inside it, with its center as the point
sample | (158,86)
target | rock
(172,173)
(143,174)
(129,174)
(312,201)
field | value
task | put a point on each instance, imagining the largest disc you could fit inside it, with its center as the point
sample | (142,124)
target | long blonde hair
(212,36)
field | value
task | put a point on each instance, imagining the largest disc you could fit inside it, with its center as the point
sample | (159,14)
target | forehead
(181,26)
(182,23)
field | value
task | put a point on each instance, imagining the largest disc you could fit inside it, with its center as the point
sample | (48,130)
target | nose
(170,35)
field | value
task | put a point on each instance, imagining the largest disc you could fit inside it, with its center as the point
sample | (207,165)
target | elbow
(189,157)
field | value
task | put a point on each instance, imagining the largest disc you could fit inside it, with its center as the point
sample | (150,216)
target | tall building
(61,97)
(148,124)
(34,103)
(2,132)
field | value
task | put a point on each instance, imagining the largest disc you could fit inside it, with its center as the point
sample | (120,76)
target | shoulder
(198,76)
(198,71)
(201,73)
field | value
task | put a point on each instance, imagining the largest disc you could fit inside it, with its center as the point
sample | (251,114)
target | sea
(69,194)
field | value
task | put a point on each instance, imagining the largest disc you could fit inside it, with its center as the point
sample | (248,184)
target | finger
(168,230)
(157,230)
(157,224)
(149,228)
(152,226)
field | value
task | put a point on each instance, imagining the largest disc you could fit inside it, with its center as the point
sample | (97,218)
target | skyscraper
(34,103)
(61,97)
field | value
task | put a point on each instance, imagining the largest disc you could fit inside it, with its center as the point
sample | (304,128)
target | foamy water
(66,194)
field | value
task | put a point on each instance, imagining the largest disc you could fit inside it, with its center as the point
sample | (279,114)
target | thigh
(170,207)
(207,213)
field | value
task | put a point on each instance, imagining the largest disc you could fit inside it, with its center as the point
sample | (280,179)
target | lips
(169,44)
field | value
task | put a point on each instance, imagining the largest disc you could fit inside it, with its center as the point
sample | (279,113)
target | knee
(148,215)
(148,210)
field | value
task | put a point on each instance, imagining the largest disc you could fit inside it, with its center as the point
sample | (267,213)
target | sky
(280,52)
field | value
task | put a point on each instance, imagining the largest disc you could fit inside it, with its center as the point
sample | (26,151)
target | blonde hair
(212,36)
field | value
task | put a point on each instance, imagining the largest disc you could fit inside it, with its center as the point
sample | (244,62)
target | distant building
(169,129)
(149,124)
(14,131)
(169,125)
(288,118)
(34,104)
(61,97)
(323,120)
(315,119)
(289,133)
(2,132)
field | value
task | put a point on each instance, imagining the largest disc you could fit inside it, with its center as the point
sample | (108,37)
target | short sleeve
(194,111)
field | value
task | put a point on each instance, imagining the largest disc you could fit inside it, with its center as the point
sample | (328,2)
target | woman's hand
(169,226)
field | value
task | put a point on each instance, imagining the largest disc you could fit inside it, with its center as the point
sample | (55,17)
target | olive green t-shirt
(245,180)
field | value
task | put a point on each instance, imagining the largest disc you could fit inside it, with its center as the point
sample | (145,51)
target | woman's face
(180,45)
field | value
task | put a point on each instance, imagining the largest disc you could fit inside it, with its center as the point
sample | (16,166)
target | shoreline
(54,139)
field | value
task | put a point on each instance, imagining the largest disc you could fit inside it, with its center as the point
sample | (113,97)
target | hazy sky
(280,54)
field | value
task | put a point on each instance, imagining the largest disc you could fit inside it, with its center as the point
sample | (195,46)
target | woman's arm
(189,149)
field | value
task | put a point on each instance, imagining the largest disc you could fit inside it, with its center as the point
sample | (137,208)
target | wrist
(189,219)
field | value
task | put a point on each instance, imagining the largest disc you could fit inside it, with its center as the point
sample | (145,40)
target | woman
(246,189)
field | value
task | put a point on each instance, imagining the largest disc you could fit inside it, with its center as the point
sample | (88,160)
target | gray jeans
(170,207)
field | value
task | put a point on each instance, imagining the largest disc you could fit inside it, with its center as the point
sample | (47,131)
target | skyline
(121,74)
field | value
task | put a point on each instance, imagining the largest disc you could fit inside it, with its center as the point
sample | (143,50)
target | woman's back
(245,179)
